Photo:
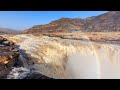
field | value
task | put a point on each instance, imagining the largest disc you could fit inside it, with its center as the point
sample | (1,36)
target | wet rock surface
(24,73)
(8,56)
(35,75)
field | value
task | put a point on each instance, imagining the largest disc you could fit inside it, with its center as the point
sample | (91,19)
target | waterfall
(103,64)
(66,58)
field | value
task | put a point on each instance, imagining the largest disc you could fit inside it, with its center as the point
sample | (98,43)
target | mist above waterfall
(83,67)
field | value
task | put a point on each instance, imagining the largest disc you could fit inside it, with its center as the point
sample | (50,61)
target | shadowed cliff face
(65,58)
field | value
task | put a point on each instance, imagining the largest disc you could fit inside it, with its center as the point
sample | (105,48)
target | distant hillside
(7,31)
(61,25)
(108,22)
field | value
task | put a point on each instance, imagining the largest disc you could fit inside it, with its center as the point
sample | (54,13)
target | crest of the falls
(65,58)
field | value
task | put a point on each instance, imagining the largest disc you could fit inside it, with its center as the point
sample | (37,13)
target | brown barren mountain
(107,22)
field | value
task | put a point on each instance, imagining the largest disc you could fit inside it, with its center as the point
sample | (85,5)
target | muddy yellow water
(65,58)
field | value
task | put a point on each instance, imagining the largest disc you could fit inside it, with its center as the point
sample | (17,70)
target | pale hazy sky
(21,20)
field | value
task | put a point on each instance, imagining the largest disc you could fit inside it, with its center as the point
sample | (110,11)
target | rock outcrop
(35,75)
(8,56)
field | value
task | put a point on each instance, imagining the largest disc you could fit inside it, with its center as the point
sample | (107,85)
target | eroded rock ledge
(8,56)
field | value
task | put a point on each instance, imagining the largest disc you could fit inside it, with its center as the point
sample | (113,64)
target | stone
(36,75)
(8,56)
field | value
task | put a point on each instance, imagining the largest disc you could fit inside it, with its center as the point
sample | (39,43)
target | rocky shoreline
(8,56)
(9,67)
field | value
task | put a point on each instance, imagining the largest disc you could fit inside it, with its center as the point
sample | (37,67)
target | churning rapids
(65,58)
